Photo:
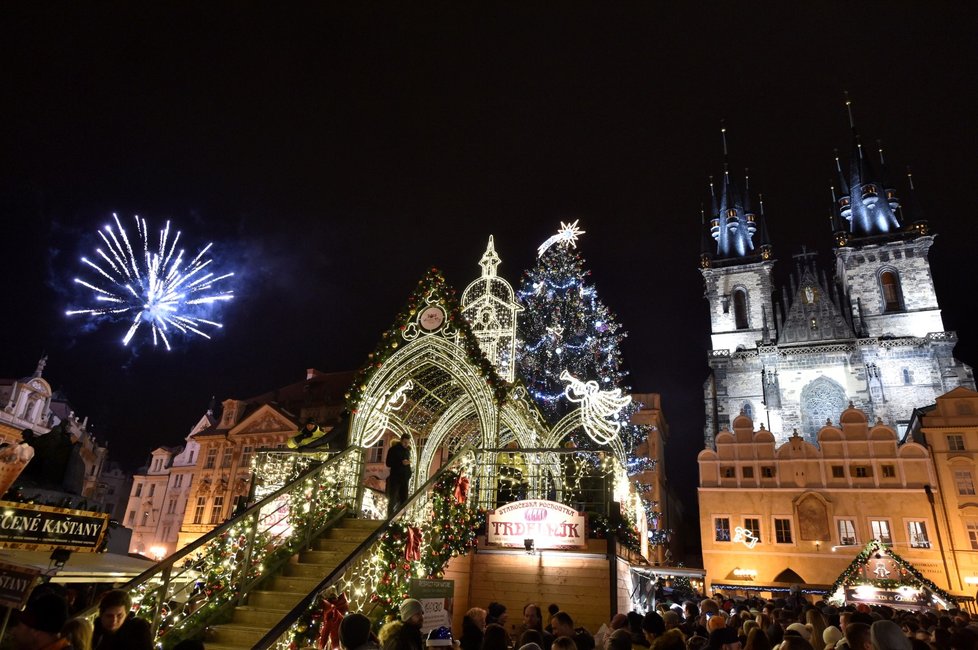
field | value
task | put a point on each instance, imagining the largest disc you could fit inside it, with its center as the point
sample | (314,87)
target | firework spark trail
(154,287)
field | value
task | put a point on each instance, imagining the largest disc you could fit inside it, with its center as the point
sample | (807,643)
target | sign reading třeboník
(547,523)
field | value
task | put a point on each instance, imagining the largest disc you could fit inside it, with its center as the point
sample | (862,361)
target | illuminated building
(773,514)
(871,334)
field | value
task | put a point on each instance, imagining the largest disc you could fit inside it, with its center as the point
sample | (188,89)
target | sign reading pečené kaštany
(547,523)
(44,528)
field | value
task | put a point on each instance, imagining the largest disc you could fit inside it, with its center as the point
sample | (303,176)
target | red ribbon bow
(412,550)
(334,608)
(462,489)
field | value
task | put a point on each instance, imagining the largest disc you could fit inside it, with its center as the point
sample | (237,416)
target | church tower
(881,260)
(736,263)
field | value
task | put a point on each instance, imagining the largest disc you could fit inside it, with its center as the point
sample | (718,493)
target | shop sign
(437,597)
(16,583)
(549,524)
(904,596)
(44,528)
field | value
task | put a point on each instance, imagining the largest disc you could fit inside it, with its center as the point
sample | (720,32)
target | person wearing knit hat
(408,635)
(411,608)
(803,630)
(355,632)
(831,636)
(39,625)
(887,635)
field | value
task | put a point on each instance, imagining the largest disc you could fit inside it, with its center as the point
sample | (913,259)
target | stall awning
(774,588)
(81,567)
(671,571)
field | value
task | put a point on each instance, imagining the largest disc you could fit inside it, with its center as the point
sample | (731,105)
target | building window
(889,471)
(838,471)
(782,531)
(754,526)
(862,471)
(740,309)
(917,534)
(376,453)
(722,526)
(152,489)
(847,532)
(166,533)
(178,481)
(964,482)
(890,287)
(246,453)
(217,510)
(748,472)
(972,526)
(226,458)
(139,490)
(211,458)
(199,510)
(767,472)
(955,442)
(728,472)
(881,530)
(191,460)
(171,507)
(132,518)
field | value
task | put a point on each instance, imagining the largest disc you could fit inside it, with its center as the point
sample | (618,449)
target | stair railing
(356,576)
(190,588)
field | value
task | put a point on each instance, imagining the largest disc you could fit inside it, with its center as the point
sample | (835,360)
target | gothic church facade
(869,335)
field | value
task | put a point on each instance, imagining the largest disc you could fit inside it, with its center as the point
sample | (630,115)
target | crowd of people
(44,624)
(707,624)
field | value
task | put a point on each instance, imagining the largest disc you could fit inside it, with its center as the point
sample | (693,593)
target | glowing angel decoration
(379,418)
(596,407)
(568,232)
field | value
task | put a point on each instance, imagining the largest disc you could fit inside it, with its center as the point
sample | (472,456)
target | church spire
(866,203)
(733,222)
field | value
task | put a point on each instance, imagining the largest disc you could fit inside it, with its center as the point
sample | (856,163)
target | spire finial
(832,190)
(746,179)
(702,214)
(838,165)
(760,200)
(910,179)
(852,122)
(490,260)
(723,136)
(879,148)
(712,192)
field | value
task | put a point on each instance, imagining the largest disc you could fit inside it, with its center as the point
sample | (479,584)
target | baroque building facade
(869,333)
(777,514)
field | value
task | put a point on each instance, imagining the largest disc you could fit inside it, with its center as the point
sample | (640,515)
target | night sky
(333,153)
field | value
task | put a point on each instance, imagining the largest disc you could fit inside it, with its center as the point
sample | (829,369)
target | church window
(847,532)
(722,527)
(740,309)
(955,442)
(748,472)
(890,287)
(907,376)
(972,526)
(782,531)
(821,400)
(838,471)
(199,510)
(211,458)
(748,410)
(917,534)
(217,510)
(964,482)
(881,530)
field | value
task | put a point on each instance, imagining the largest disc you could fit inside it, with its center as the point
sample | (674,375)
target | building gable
(267,419)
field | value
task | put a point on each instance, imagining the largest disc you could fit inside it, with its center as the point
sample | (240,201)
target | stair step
(308,570)
(237,635)
(346,534)
(292,584)
(257,617)
(221,646)
(281,600)
(325,558)
(344,547)
(362,524)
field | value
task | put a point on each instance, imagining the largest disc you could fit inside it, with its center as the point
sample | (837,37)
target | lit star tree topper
(153,286)
(566,327)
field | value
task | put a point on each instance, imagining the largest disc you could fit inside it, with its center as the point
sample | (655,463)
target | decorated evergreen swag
(911,576)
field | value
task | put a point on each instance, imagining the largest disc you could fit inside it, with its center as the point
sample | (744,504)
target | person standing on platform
(399,462)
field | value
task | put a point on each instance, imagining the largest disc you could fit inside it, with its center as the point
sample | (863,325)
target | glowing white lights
(153,287)
(569,232)
(596,407)
(745,537)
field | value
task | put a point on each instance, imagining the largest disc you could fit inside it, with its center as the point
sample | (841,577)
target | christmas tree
(566,327)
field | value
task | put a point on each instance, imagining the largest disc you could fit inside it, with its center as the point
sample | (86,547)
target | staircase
(280,593)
